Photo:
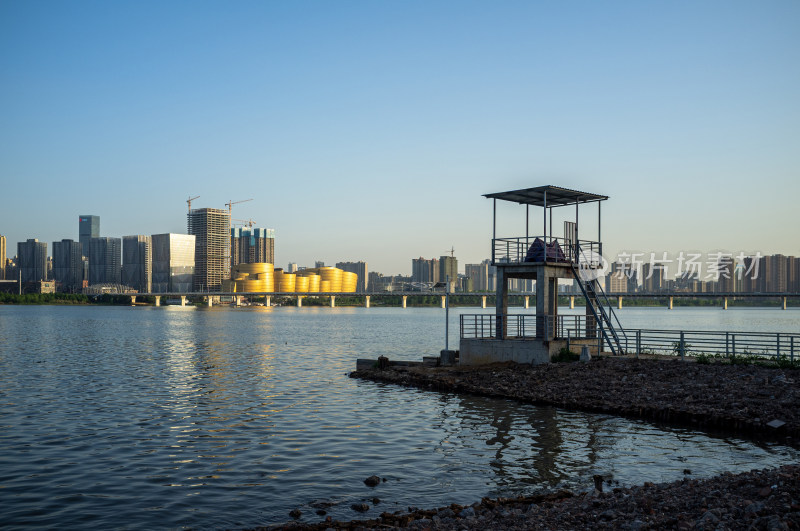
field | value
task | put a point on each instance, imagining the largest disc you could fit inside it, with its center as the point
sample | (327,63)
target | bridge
(479,297)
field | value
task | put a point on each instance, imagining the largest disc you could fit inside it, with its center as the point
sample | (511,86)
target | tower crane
(230,203)
(189,201)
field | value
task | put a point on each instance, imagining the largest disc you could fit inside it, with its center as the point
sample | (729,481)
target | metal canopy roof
(556,196)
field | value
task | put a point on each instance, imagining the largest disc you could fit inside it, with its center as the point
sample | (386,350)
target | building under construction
(252,245)
(211,228)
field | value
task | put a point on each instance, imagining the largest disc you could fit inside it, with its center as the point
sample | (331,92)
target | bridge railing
(713,343)
(522,326)
(545,249)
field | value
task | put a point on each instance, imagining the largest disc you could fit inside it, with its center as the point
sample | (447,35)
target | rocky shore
(763,500)
(750,400)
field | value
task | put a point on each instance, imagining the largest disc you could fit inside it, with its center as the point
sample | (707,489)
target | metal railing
(521,326)
(713,343)
(546,249)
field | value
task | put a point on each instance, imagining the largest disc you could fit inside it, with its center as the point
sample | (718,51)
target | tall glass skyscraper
(88,228)
(68,265)
(32,256)
(173,262)
(137,262)
(105,260)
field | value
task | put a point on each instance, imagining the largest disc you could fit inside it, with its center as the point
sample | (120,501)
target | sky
(371,130)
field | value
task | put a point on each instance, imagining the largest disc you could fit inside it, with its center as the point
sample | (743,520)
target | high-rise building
(726,282)
(479,274)
(653,277)
(2,257)
(174,262)
(360,269)
(292,268)
(423,270)
(88,228)
(137,262)
(105,260)
(252,246)
(617,282)
(752,280)
(793,274)
(32,260)
(775,273)
(212,255)
(448,267)
(68,265)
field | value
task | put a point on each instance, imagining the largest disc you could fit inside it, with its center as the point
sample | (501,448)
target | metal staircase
(601,307)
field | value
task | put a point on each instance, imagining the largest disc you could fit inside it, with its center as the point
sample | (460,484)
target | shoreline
(758,499)
(754,401)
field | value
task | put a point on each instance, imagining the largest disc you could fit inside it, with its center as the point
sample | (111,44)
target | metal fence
(712,343)
(546,249)
(636,341)
(521,326)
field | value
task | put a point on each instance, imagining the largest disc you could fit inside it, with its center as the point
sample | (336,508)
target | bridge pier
(670,303)
(209,301)
(267,300)
(572,302)
(443,299)
(133,300)
(783,306)
(366,301)
(724,303)
(333,301)
(527,302)
(619,303)
(183,300)
(299,301)
(158,300)
(483,301)
(237,300)
(405,298)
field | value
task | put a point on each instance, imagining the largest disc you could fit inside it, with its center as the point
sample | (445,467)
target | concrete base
(533,351)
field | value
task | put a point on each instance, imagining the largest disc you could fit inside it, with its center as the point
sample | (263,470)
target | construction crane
(248,222)
(230,203)
(189,201)
(452,252)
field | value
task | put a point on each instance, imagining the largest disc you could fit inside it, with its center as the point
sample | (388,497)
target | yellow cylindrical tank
(324,286)
(332,275)
(284,282)
(349,281)
(300,284)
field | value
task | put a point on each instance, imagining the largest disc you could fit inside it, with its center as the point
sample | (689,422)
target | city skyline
(387,123)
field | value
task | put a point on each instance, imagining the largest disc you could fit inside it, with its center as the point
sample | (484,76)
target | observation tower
(545,258)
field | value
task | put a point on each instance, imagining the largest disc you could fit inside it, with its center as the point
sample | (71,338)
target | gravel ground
(763,500)
(751,401)
(743,399)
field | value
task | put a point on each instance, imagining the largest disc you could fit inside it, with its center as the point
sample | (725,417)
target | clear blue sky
(369,130)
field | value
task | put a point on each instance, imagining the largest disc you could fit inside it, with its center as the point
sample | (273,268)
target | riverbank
(751,400)
(759,499)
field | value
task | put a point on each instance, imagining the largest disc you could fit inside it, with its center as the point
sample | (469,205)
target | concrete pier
(670,303)
(483,301)
(527,302)
(725,303)
(783,307)
(619,303)
(443,299)
(366,301)
(133,300)
(158,300)
(209,301)
(267,300)
(299,301)
(183,300)
(405,298)
(572,302)
(333,301)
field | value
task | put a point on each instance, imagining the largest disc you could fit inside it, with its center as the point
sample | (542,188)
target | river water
(131,417)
